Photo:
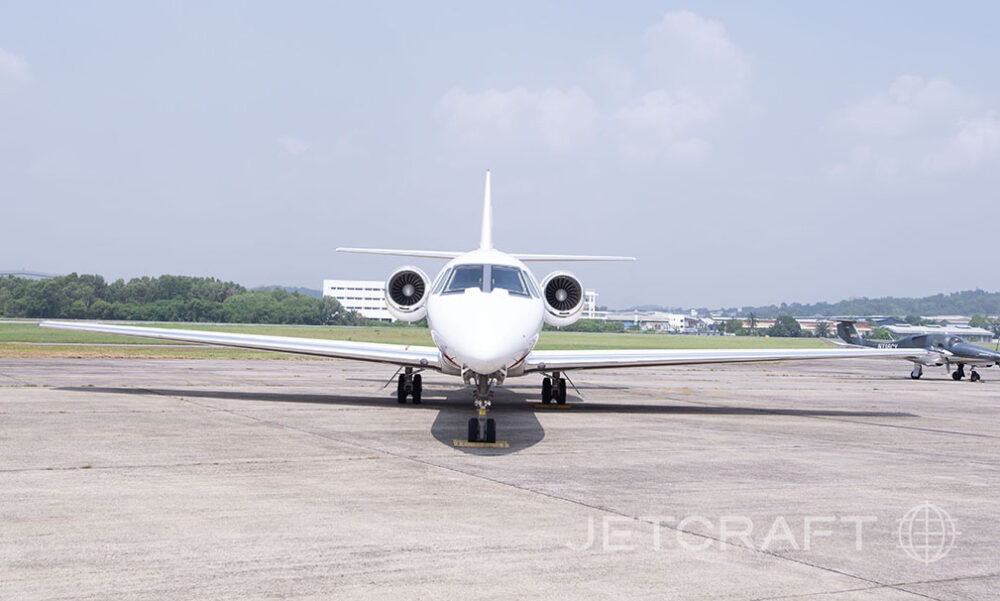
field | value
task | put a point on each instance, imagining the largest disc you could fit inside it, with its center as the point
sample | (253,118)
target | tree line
(967,302)
(165,298)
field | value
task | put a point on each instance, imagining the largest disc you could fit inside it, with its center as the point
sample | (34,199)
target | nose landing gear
(482,428)
(918,370)
(974,375)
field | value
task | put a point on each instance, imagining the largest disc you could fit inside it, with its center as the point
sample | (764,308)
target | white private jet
(485,311)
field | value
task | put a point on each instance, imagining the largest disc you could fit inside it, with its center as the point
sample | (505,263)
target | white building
(965,331)
(367,297)
(590,304)
(661,321)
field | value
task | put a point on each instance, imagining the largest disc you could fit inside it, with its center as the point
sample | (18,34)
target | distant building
(590,304)
(660,321)
(964,331)
(367,297)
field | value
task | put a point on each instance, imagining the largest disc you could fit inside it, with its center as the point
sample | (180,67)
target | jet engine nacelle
(406,293)
(563,296)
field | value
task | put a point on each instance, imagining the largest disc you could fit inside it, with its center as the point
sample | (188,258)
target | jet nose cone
(487,348)
(485,332)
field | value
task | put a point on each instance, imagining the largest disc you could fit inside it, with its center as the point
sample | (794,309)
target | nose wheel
(918,371)
(482,428)
(974,376)
(488,435)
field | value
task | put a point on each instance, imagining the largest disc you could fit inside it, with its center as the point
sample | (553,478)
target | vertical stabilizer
(849,334)
(486,237)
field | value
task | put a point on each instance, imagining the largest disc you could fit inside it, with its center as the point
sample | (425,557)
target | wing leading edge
(566,360)
(396,354)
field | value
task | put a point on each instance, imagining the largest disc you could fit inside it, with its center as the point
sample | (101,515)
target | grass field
(27,340)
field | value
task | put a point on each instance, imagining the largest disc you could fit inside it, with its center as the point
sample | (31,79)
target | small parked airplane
(485,311)
(941,349)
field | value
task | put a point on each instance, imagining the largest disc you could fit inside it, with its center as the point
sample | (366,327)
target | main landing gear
(554,389)
(409,384)
(481,428)
(959,373)
(918,370)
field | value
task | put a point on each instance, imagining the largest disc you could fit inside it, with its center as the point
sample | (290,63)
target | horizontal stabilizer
(423,254)
(531,257)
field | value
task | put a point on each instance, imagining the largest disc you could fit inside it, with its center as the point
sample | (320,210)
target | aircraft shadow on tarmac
(514,411)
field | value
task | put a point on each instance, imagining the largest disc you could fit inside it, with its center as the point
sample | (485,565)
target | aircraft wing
(567,360)
(396,354)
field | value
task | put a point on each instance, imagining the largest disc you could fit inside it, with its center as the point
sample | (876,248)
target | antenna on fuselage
(486,236)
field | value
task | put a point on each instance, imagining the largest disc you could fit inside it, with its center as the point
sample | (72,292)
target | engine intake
(406,293)
(563,296)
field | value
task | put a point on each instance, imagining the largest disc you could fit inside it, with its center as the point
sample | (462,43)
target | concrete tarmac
(176,479)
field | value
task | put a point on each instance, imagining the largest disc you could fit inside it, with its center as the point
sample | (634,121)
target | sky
(746,153)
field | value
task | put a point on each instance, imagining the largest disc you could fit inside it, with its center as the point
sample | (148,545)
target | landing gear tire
(546,390)
(562,392)
(401,390)
(959,373)
(918,371)
(974,376)
(418,389)
(491,430)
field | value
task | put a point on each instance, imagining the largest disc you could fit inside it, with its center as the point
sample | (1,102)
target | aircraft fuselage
(485,313)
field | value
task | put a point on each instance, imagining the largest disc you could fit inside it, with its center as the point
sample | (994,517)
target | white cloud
(916,125)
(864,159)
(13,70)
(911,104)
(293,145)
(698,72)
(559,120)
(662,123)
(687,52)
(976,142)
(690,74)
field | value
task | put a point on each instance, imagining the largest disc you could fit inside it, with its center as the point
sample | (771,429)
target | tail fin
(848,333)
(486,236)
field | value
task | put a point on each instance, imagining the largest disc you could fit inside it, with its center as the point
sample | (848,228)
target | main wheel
(956,375)
(491,430)
(562,391)
(546,390)
(473,429)
(401,390)
(418,389)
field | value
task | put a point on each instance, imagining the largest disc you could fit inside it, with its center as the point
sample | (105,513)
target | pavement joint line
(141,466)
(849,421)
(16,379)
(549,495)
(892,585)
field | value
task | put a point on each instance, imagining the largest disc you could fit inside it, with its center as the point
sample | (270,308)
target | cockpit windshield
(509,279)
(487,278)
(954,340)
(465,276)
